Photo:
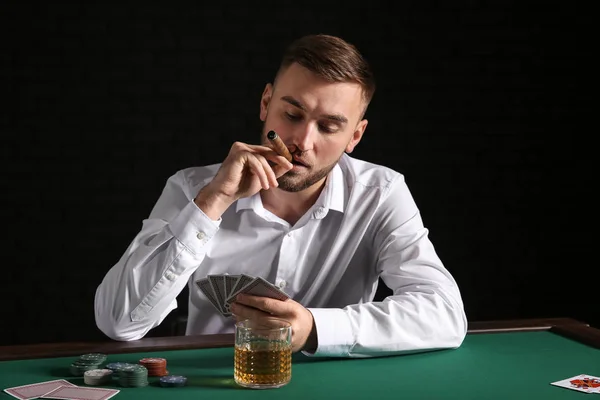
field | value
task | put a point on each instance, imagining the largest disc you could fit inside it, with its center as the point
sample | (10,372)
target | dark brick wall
(483,107)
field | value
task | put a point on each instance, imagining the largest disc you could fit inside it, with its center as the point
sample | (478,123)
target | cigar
(279,146)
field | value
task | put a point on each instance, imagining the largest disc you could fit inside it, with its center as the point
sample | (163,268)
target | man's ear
(357,135)
(265,100)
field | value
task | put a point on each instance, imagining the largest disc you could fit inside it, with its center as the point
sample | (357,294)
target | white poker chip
(98,372)
(97,376)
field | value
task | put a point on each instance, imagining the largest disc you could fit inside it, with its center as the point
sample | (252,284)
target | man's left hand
(253,307)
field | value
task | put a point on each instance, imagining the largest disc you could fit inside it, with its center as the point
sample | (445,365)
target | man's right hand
(243,173)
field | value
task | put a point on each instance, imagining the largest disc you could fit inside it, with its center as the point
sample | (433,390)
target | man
(324,227)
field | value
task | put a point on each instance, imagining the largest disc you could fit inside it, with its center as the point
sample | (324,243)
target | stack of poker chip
(95,377)
(116,367)
(87,362)
(133,375)
(155,366)
(173,381)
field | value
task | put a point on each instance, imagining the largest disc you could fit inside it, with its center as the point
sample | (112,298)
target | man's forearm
(211,203)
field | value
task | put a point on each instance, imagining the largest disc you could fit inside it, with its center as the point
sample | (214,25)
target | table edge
(567,327)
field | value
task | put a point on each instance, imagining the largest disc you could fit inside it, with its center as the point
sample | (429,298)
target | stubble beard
(292,181)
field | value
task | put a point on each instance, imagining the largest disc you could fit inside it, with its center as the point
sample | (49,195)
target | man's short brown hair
(332,59)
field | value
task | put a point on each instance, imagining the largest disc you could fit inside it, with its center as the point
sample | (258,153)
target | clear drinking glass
(263,353)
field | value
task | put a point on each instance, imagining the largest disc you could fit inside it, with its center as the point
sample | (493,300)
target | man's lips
(297,161)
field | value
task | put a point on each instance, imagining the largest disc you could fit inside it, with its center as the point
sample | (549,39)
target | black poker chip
(173,381)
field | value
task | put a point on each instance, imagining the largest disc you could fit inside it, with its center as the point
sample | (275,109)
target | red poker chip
(153,361)
(155,366)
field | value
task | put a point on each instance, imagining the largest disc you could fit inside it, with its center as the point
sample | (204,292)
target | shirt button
(320,212)
(289,234)
(201,235)
(171,276)
(282,284)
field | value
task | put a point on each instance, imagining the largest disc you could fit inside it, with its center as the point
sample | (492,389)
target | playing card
(242,281)
(230,281)
(217,283)
(80,393)
(264,288)
(206,288)
(581,383)
(36,390)
(260,287)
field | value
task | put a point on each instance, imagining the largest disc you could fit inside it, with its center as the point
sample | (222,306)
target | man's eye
(326,129)
(293,117)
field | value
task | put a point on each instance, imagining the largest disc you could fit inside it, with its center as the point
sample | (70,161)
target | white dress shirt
(364,225)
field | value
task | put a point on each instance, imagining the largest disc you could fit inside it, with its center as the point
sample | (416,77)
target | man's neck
(291,206)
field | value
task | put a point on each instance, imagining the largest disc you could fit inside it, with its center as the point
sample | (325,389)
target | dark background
(485,108)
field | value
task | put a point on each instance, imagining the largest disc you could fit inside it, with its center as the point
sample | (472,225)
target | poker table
(516,359)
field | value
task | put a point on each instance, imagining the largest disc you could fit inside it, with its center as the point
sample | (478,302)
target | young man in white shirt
(324,227)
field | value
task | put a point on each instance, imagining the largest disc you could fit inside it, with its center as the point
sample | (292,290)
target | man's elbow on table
(117,324)
(120,330)
(456,335)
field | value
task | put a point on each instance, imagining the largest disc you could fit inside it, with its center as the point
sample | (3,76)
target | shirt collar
(331,198)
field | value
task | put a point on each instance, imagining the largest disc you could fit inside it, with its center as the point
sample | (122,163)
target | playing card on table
(581,383)
(35,390)
(80,393)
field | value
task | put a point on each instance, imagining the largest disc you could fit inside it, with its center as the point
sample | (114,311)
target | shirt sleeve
(424,312)
(140,290)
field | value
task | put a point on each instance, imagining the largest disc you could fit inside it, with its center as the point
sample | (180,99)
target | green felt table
(498,360)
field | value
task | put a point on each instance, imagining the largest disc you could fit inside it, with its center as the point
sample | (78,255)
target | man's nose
(303,137)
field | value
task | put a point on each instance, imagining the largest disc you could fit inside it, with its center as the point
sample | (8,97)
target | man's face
(317,121)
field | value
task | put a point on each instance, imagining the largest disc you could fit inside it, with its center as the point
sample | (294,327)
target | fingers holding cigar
(279,146)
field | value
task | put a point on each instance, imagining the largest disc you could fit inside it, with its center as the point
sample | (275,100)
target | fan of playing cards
(222,289)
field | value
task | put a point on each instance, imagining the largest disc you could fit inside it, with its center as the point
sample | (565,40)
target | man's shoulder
(365,173)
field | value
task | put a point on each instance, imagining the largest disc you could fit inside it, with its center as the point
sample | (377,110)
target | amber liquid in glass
(263,364)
